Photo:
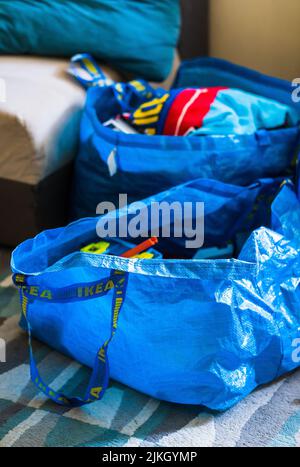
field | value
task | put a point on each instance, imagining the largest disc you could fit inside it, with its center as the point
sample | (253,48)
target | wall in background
(261,34)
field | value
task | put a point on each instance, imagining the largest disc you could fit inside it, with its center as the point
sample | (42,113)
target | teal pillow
(137,36)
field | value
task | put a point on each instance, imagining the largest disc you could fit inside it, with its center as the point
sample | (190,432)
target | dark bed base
(27,209)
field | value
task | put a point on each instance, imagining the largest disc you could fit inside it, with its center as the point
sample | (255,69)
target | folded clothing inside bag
(191,111)
(207,111)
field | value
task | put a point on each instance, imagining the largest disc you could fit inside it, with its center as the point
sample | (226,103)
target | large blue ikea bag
(109,163)
(186,331)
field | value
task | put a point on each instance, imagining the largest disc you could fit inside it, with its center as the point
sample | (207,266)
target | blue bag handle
(99,379)
(87,71)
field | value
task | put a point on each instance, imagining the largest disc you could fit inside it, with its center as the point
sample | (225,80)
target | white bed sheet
(40,112)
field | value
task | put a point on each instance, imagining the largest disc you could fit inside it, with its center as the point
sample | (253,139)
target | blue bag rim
(173,268)
(154,267)
(225,65)
(132,264)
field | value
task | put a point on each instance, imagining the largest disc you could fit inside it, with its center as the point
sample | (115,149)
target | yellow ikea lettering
(20,278)
(99,288)
(63,400)
(138,85)
(46,294)
(40,384)
(102,355)
(116,311)
(149,112)
(90,66)
(34,291)
(95,392)
(109,286)
(89,291)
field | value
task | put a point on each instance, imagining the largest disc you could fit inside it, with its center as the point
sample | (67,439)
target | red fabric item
(189,109)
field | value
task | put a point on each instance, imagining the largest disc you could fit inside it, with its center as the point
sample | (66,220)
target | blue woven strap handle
(87,72)
(100,375)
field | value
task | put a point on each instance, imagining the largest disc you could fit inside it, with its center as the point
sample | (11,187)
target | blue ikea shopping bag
(186,331)
(109,163)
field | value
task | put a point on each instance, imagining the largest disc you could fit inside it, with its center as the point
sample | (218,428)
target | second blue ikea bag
(109,163)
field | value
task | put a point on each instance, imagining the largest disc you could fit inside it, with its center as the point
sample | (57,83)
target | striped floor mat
(268,417)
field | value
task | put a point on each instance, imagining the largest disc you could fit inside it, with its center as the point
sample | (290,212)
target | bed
(40,109)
